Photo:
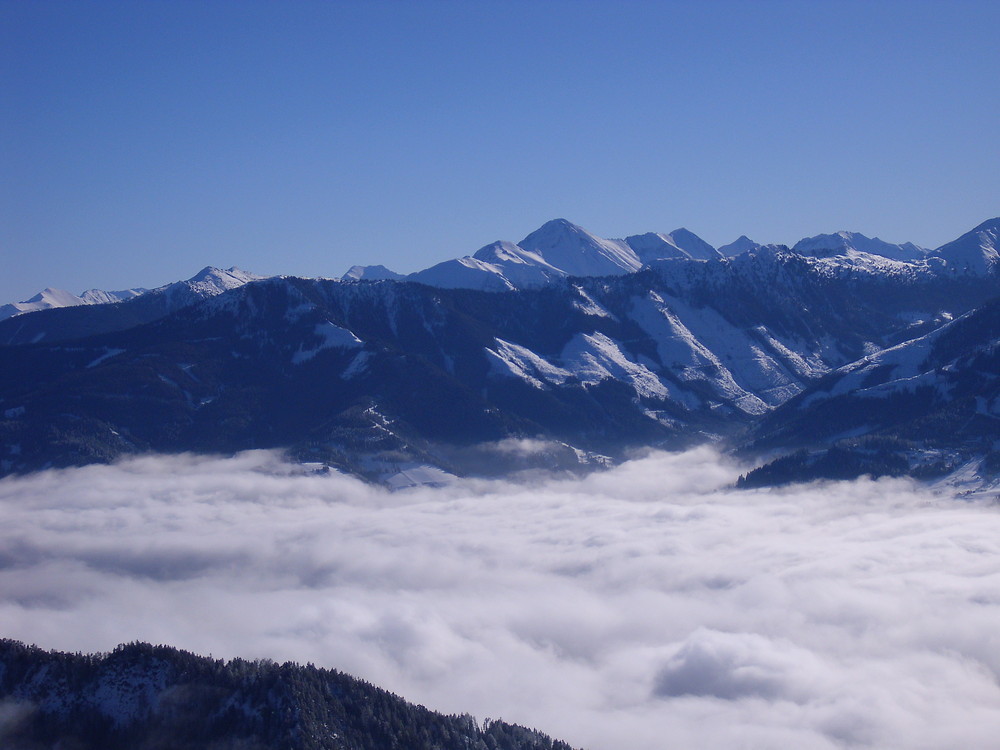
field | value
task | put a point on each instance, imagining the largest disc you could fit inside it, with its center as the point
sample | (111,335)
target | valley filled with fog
(647,606)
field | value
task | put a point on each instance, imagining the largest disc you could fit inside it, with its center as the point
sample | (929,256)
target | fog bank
(645,607)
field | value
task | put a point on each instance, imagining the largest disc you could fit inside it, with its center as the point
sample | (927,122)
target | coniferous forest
(148,697)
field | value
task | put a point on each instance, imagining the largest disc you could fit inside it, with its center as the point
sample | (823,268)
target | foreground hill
(142,696)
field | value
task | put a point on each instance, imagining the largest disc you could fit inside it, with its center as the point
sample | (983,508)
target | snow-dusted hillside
(554,251)
(975,252)
(559,249)
(206,283)
(50,298)
(848,243)
(374,375)
(141,306)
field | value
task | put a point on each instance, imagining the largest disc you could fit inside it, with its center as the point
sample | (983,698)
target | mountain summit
(845,242)
(977,251)
(577,252)
(557,249)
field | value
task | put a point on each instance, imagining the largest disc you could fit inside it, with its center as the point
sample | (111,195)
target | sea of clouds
(644,607)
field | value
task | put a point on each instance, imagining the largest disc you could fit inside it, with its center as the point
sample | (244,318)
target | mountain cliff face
(142,696)
(375,376)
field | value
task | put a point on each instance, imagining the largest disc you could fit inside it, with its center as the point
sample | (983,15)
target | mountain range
(839,356)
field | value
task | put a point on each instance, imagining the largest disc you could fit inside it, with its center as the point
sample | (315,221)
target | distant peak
(205,273)
(845,241)
(693,245)
(209,273)
(740,245)
(573,250)
(370,273)
(558,232)
(559,226)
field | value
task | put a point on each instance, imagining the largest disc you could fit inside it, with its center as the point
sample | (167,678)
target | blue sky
(142,141)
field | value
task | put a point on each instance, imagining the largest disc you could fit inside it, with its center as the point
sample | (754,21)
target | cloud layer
(645,607)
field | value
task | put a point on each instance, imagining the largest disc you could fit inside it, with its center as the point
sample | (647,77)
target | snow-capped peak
(976,251)
(678,244)
(210,281)
(502,251)
(233,275)
(101,297)
(373,273)
(577,252)
(464,273)
(654,246)
(693,245)
(841,243)
(49,298)
(742,244)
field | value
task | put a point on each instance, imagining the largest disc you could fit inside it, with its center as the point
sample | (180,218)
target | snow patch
(108,353)
(520,362)
(588,306)
(331,337)
(596,357)
(358,365)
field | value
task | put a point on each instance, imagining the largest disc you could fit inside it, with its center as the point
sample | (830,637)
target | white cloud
(644,607)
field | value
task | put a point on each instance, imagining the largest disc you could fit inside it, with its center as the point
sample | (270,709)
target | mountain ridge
(373,376)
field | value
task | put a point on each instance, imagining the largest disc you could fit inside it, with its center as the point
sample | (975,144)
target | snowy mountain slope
(924,407)
(846,242)
(654,246)
(464,273)
(577,252)
(44,300)
(952,362)
(97,313)
(101,297)
(560,248)
(371,273)
(680,243)
(370,375)
(554,251)
(975,252)
(521,267)
(740,245)
(50,298)
(205,283)
(208,282)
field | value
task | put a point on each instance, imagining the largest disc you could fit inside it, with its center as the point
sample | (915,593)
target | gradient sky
(142,141)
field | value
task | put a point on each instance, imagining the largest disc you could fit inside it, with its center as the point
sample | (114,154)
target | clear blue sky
(140,141)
